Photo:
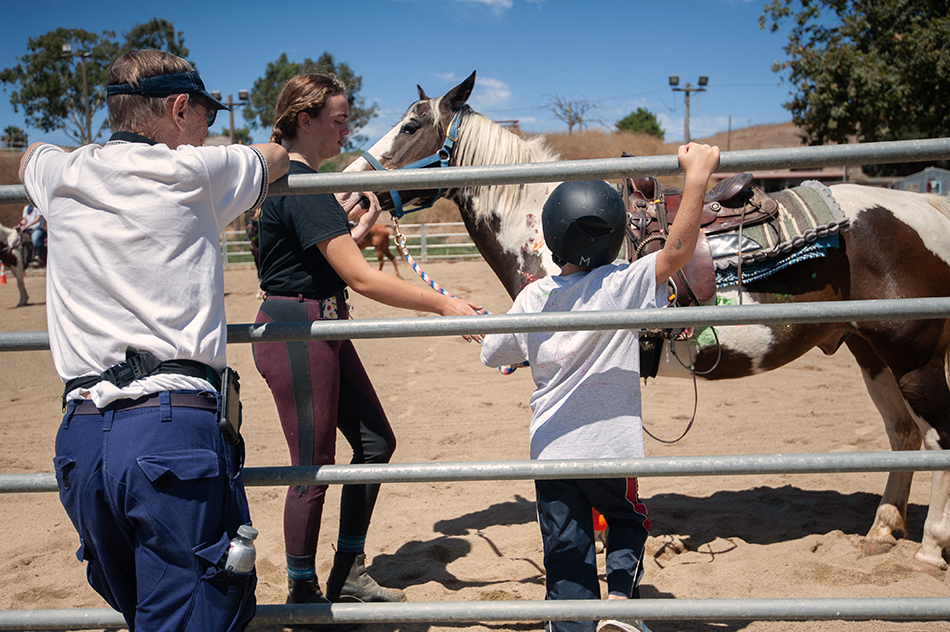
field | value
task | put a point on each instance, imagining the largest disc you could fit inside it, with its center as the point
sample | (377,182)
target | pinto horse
(897,246)
(10,257)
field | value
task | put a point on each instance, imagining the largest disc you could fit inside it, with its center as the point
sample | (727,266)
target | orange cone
(600,531)
(3,275)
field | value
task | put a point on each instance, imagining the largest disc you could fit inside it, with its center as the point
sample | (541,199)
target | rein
(440,158)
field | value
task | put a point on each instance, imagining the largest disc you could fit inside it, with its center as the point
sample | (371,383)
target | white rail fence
(446,241)
(656,609)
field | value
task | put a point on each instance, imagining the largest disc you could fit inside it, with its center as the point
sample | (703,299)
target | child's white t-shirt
(587,400)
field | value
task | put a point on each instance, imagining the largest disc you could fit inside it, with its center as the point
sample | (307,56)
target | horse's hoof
(929,561)
(878,547)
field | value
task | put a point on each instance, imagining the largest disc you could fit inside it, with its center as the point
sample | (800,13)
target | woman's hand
(362,209)
(458,307)
(358,205)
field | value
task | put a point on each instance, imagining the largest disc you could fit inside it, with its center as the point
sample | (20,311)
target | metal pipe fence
(235,248)
(890,609)
(670,609)
(654,467)
(750,609)
(447,241)
(602,168)
(662,318)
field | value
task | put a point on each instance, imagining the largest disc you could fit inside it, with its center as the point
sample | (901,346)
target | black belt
(310,296)
(201,401)
(139,364)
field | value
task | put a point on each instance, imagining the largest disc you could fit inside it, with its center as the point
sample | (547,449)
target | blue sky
(617,54)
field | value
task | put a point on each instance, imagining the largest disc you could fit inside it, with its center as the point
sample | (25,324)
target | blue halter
(440,158)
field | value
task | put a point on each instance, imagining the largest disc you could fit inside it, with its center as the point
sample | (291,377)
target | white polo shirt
(133,253)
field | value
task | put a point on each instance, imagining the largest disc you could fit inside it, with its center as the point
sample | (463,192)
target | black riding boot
(308,591)
(305,591)
(349,581)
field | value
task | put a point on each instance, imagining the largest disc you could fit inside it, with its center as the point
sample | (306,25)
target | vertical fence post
(422,242)
(223,240)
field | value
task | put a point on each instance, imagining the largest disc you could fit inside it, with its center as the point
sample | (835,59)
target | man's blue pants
(156,494)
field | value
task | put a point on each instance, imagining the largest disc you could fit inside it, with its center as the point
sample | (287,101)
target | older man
(137,328)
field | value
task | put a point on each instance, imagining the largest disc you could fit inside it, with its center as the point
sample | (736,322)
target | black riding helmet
(583,223)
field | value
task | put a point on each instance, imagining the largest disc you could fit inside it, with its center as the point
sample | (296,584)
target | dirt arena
(781,536)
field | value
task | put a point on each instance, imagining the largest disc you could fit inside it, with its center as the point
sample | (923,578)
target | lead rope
(400,240)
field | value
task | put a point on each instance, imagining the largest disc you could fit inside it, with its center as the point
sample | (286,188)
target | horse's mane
(7,236)
(485,142)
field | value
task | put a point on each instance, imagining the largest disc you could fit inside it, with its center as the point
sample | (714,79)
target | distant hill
(757,137)
(601,144)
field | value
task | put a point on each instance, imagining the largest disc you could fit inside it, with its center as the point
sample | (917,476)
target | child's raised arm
(699,162)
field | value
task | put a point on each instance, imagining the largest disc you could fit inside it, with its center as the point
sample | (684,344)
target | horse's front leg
(890,521)
(19,272)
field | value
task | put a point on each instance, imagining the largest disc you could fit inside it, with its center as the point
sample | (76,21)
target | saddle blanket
(806,226)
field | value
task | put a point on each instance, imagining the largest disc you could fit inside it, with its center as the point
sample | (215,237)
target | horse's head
(503,220)
(424,137)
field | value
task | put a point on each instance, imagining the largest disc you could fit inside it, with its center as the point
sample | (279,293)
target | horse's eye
(410,128)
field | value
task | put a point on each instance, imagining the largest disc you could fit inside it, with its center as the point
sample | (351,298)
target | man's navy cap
(165,85)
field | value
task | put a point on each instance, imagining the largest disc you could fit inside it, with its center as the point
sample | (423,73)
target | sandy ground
(781,536)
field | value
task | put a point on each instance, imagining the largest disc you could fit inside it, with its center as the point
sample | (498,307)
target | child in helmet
(587,401)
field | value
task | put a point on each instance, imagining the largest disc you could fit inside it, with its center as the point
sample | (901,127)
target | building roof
(926,172)
(836,173)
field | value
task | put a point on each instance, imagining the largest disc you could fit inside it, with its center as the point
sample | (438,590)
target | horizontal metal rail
(672,609)
(819,312)
(865,609)
(726,465)
(599,168)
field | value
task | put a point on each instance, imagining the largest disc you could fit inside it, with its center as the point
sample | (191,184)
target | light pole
(83,55)
(675,81)
(242,100)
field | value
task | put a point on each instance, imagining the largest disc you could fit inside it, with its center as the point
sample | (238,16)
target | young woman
(308,259)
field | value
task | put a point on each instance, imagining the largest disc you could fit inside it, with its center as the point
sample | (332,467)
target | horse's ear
(422,93)
(457,96)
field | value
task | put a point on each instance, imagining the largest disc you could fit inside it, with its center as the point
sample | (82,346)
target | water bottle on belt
(242,554)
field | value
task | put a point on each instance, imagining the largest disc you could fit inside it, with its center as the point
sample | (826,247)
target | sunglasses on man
(211,113)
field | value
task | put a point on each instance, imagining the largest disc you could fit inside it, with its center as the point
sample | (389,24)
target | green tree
(242,135)
(874,70)
(158,34)
(263,96)
(642,121)
(64,91)
(13,136)
(50,85)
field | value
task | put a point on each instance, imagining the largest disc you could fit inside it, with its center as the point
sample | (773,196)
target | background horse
(378,239)
(10,256)
(897,246)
